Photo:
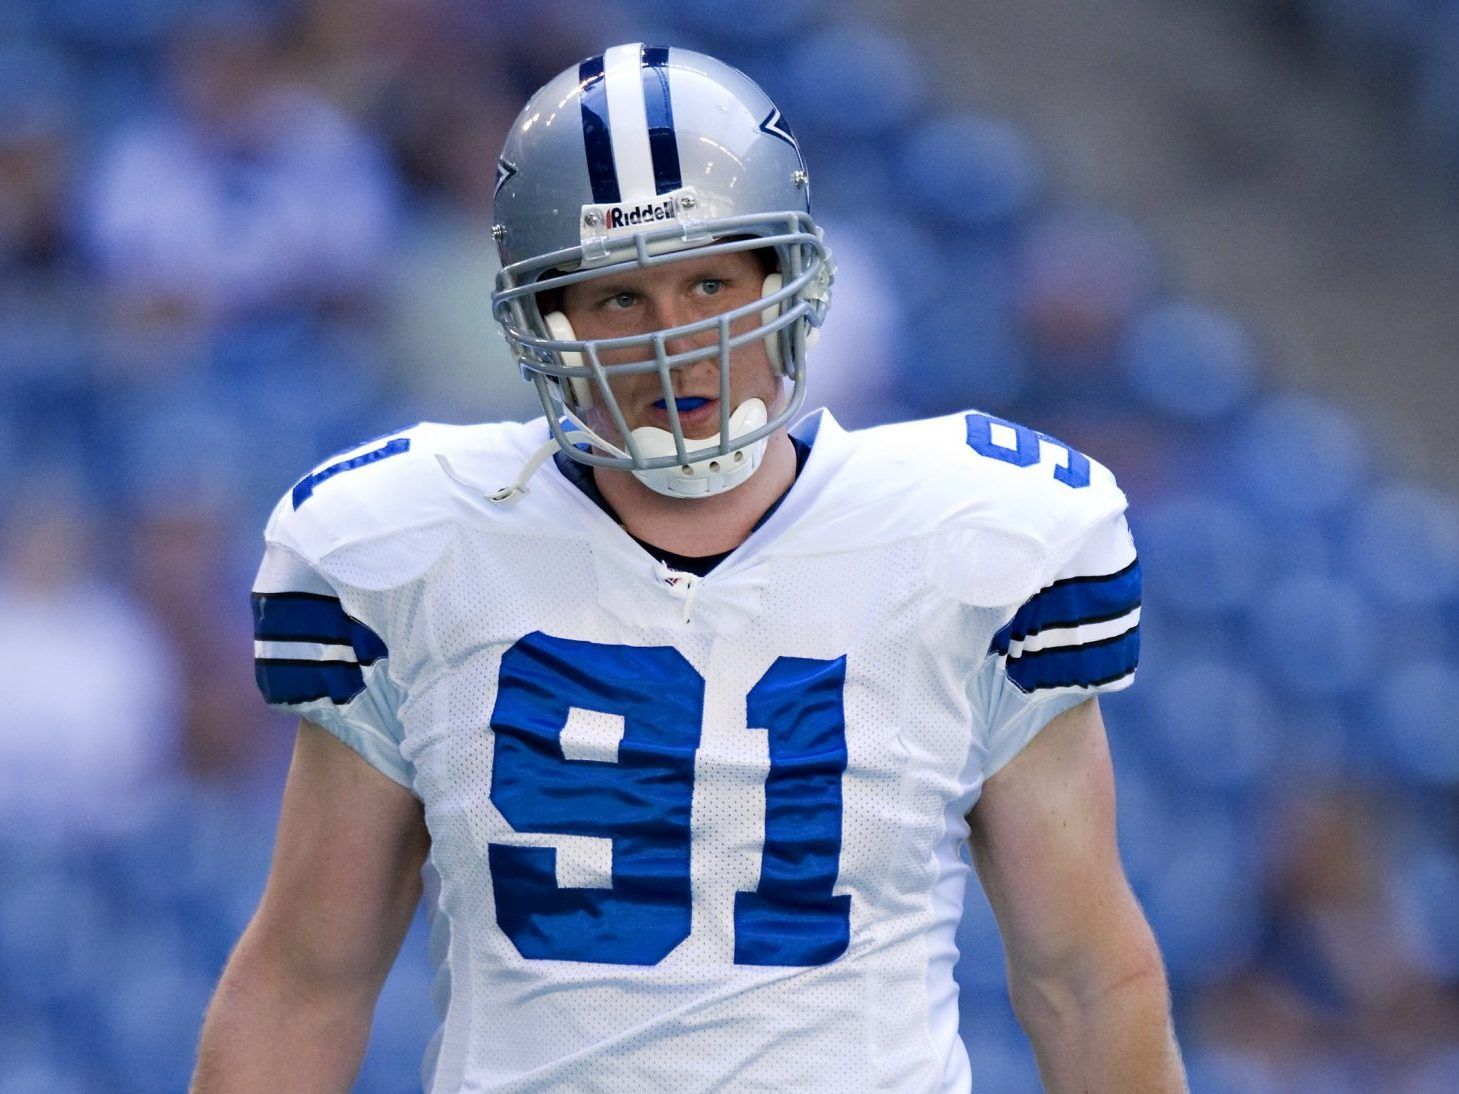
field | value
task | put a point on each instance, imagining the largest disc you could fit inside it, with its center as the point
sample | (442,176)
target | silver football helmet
(638,157)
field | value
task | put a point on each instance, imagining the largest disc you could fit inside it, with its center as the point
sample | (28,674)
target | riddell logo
(603,227)
(647,213)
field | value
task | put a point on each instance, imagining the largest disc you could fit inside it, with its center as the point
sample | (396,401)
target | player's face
(643,301)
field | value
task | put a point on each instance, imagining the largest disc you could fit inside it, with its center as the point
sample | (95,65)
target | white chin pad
(710,474)
(561,330)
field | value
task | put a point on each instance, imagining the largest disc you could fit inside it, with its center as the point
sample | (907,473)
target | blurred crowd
(1407,48)
(238,236)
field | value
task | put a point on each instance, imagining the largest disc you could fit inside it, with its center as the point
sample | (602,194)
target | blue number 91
(643,804)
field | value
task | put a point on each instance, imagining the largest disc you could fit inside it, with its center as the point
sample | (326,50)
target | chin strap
(507,494)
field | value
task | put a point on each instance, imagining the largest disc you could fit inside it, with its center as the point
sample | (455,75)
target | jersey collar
(829,446)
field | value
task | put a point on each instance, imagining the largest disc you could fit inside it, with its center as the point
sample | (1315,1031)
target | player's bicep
(346,877)
(1043,843)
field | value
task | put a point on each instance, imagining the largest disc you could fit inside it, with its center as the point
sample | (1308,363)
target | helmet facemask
(570,375)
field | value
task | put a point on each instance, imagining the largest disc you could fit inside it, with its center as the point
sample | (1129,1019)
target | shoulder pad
(977,467)
(393,483)
(1004,496)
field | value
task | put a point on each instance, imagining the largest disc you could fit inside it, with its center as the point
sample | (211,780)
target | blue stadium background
(236,237)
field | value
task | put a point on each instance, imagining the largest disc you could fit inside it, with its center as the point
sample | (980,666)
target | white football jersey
(698,833)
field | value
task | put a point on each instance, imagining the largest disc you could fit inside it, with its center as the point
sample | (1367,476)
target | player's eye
(711,286)
(623,299)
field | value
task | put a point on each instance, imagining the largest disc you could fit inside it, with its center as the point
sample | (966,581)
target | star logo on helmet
(776,125)
(505,169)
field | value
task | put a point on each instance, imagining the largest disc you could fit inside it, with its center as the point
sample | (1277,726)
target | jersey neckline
(818,430)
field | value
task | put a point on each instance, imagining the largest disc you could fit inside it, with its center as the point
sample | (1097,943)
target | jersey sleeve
(314,660)
(1078,636)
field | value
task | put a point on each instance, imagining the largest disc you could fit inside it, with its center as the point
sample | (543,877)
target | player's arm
(292,1010)
(1084,972)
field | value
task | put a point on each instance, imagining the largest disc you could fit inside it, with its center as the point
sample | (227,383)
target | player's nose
(674,315)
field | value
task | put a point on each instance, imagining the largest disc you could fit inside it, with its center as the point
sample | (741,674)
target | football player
(682,709)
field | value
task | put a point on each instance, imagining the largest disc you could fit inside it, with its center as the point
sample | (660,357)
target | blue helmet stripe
(663,143)
(597,137)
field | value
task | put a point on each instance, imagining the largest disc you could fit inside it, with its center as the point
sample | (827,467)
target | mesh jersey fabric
(683,759)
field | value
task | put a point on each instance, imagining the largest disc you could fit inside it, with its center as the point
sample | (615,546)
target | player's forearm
(271,1029)
(1106,1032)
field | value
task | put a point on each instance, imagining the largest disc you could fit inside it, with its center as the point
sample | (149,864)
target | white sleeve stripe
(304,651)
(1078,635)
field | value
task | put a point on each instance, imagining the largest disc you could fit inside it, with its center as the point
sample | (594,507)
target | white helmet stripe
(628,122)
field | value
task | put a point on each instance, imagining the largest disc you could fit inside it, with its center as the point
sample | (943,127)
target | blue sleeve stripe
(311,617)
(1071,602)
(1089,666)
(294,682)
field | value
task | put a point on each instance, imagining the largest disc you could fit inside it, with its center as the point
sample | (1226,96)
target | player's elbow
(283,1019)
(296,963)
(1125,972)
